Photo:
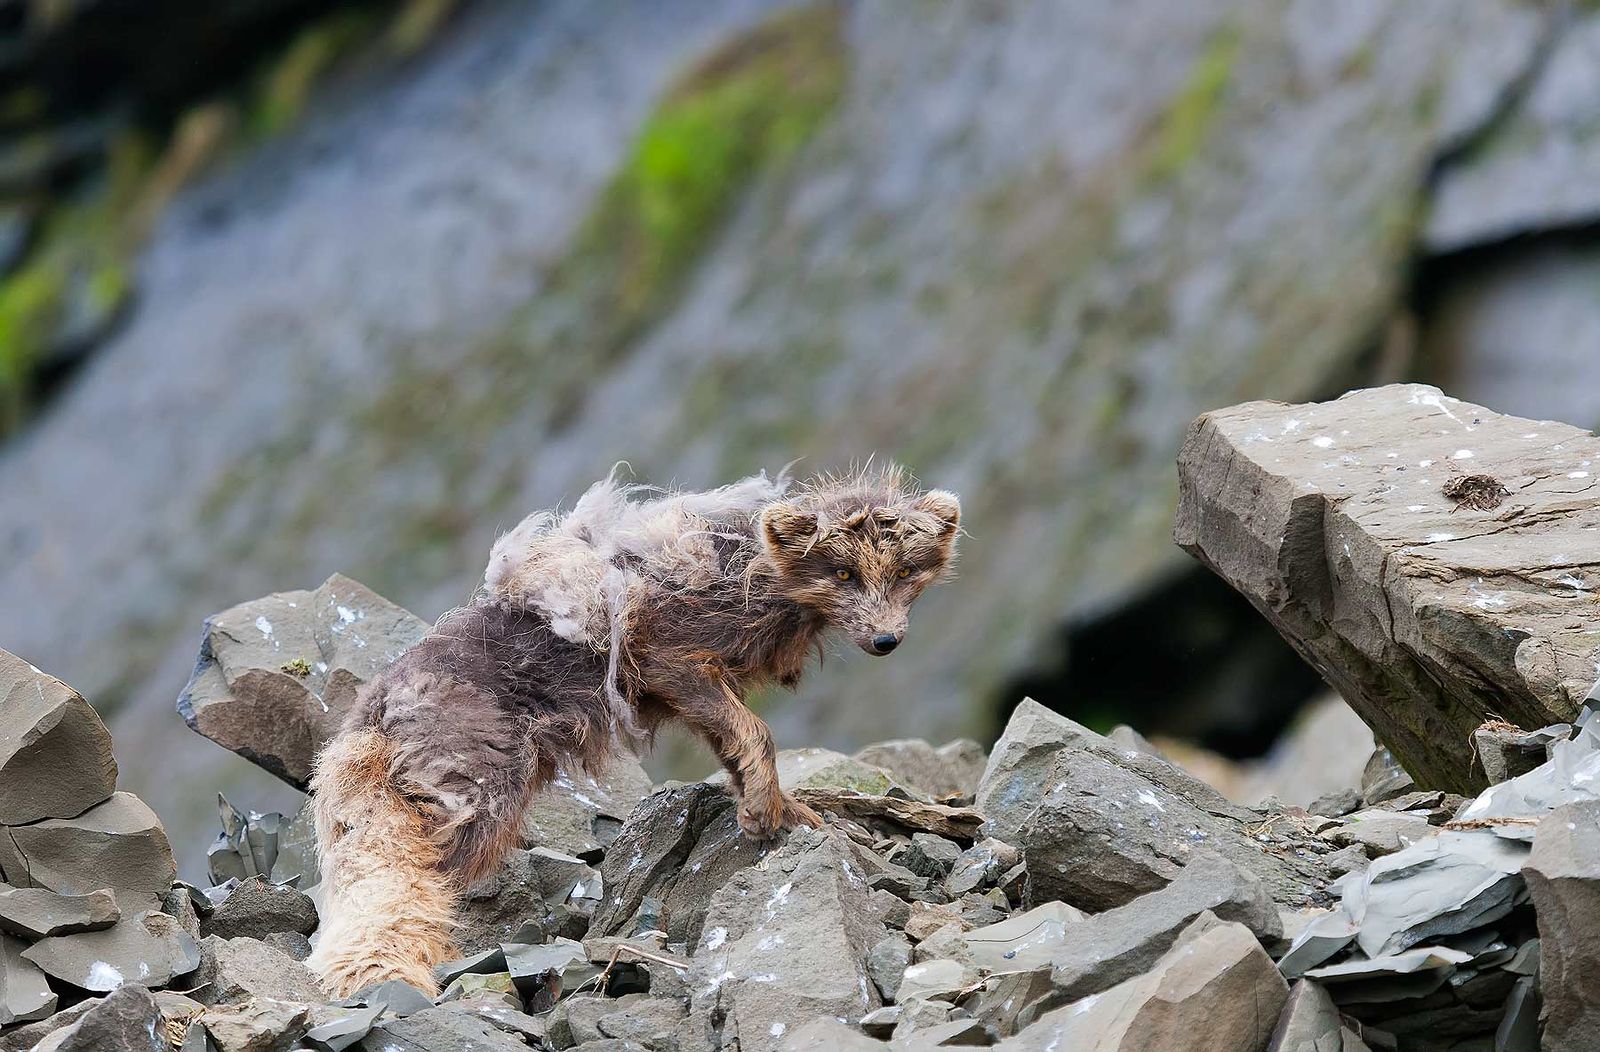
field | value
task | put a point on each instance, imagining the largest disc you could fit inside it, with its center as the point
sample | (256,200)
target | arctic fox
(591,630)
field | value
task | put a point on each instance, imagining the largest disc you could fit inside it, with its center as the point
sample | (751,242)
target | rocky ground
(1063,890)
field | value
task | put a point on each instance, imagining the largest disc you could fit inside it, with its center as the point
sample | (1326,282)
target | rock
(35,913)
(541,972)
(1383,779)
(556,891)
(276,675)
(1013,779)
(1215,989)
(257,908)
(234,970)
(785,940)
(55,754)
(1336,804)
(257,1026)
(677,849)
(827,1034)
(1381,832)
(1110,947)
(1028,940)
(953,769)
(1563,875)
(953,1033)
(128,1020)
(247,846)
(149,949)
(497,1012)
(580,814)
(887,962)
(1412,606)
(119,843)
(649,1021)
(1103,835)
(1311,1023)
(1505,751)
(930,856)
(344,1030)
(980,865)
(1009,1001)
(440,1029)
(24,993)
(26,1037)
(937,980)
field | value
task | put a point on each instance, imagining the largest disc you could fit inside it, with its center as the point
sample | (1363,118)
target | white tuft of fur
(576,568)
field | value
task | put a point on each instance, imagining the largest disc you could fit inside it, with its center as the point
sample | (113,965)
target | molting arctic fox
(592,629)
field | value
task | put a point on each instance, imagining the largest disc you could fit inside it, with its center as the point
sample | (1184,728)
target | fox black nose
(882,644)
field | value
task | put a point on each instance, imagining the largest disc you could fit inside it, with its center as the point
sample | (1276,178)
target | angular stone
(953,769)
(556,891)
(55,753)
(1335,521)
(1109,947)
(1563,875)
(128,1019)
(1215,981)
(581,814)
(1311,1023)
(119,844)
(148,949)
(24,993)
(887,962)
(952,1033)
(786,940)
(650,1021)
(35,913)
(438,1029)
(234,970)
(1381,832)
(1504,751)
(930,856)
(1028,940)
(938,980)
(1013,779)
(257,1026)
(257,908)
(276,675)
(677,848)
(1104,834)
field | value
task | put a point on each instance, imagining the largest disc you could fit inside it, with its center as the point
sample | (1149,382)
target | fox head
(858,552)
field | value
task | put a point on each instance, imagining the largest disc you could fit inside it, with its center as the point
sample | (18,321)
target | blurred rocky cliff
(1017,245)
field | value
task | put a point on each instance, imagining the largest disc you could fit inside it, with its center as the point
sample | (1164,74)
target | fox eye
(842,574)
(905,571)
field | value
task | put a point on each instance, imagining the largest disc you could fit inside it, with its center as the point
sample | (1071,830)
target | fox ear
(942,505)
(787,530)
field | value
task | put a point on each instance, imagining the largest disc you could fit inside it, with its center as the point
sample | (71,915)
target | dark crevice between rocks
(1190,658)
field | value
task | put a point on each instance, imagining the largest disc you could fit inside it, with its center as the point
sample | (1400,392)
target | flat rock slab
(36,913)
(55,753)
(149,950)
(25,994)
(119,843)
(276,675)
(1434,560)
(1563,874)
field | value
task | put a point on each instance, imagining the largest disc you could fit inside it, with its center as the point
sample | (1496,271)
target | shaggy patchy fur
(592,629)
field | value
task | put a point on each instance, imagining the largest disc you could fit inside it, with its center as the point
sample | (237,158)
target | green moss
(745,108)
(30,304)
(298,667)
(287,84)
(1188,119)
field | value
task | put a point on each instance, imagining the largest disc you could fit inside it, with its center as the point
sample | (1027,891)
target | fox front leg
(743,742)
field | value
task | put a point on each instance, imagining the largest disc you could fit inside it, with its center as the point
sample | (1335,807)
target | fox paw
(762,817)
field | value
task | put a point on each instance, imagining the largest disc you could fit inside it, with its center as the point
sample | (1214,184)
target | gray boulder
(1103,835)
(25,994)
(438,1030)
(1013,780)
(55,754)
(784,941)
(119,843)
(128,1020)
(233,971)
(1108,948)
(1216,990)
(257,908)
(1563,875)
(276,675)
(677,849)
(827,1034)
(1370,531)
(1311,1023)
(257,1026)
(35,913)
(149,949)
